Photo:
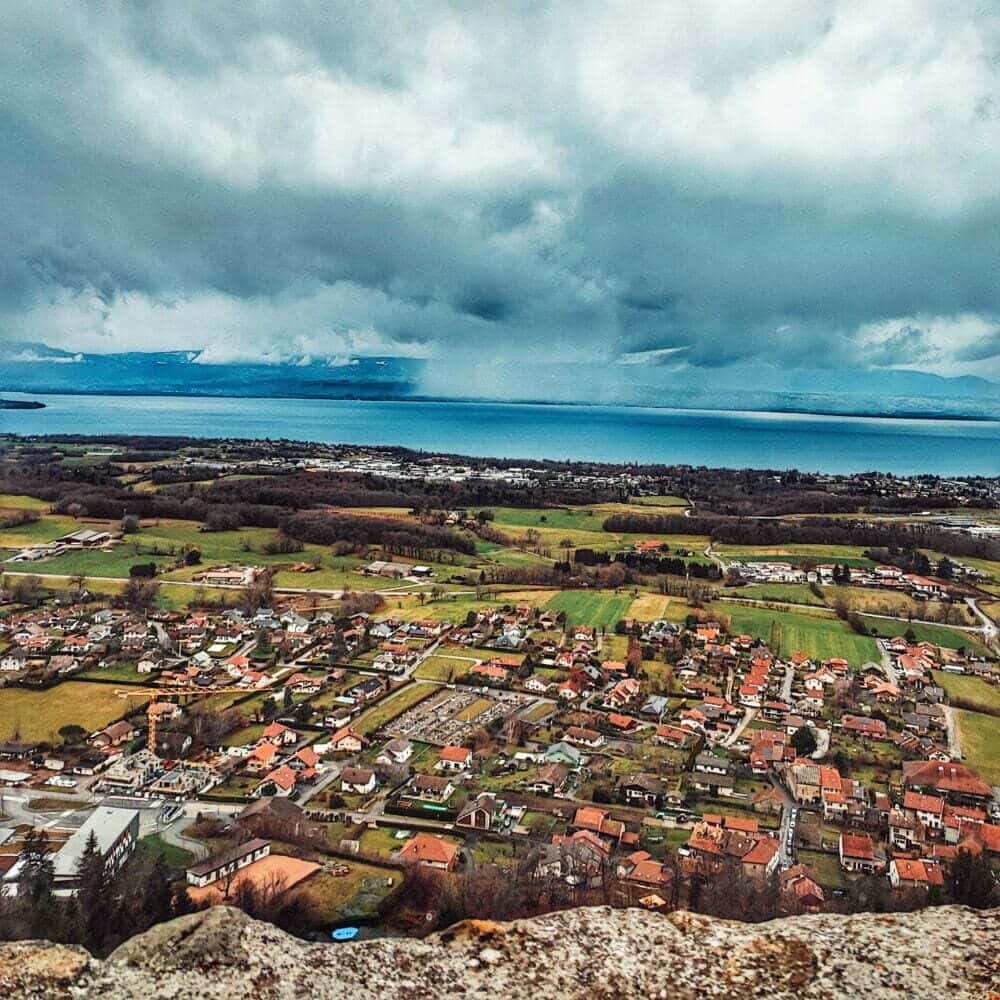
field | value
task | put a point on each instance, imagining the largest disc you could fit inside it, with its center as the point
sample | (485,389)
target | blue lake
(512,430)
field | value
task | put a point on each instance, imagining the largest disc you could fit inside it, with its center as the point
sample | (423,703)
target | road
(887,665)
(748,716)
(786,684)
(954,733)
(786,832)
(990,630)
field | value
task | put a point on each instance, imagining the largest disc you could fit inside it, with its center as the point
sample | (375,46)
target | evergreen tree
(36,890)
(971,881)
(94,896)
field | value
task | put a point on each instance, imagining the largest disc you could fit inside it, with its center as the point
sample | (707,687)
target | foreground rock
(597,954)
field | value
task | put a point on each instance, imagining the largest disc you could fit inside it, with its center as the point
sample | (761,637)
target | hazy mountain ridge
(37,368)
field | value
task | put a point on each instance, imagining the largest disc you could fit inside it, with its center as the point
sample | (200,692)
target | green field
(939,635)
(820,635)
(156,846)
(595,608)
(976,693)
(787,593)
(444,669)
(980,735)
(38,715)
(20,502)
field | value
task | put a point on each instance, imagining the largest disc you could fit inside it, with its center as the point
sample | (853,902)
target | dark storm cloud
(690,185)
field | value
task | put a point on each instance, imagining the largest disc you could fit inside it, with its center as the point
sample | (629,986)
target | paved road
(787,828)
(887,664)
(990,630)
(748,716)
(174,835)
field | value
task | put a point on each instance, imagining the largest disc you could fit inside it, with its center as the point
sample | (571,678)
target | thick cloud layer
(689,186)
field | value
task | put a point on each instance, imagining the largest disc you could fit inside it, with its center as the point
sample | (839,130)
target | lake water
(599,433)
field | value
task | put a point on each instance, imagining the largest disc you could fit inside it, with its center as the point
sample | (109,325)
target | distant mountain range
(36,368)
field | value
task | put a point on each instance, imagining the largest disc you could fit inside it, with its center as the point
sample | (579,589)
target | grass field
(156,846)
(393,706)
(980,736)
(939,635)
(443,669)
(38,715)
(17,501)
(355,895)
(595,608)
(976,693)
(50,527)
(653,607)
(819,634)
(850,555)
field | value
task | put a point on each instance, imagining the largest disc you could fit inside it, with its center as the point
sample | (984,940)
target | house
(926,809)
(641,789)
(114,735)
(303,684)
(347,740)
(14,659)
(959,784)
(762,859)
(640,868)
(480,813)
(857,853)
(908,874)
(279,735)
(537,684)
(262,757)
(564,753)
(708,763)
(281,781)
(865,727)
(675,736)
(550,780)
(800,891)
(584,737)
(360,780)
(431,787)
(803,782)
(306,761)
(227,863)
(431,851)
(599,821)
(397,751)
(453,758)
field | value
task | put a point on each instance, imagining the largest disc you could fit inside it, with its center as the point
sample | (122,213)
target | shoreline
(482,401)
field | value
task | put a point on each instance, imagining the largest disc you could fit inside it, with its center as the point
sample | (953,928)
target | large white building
(116,831)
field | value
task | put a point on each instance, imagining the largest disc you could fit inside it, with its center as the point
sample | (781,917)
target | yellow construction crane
(180,693)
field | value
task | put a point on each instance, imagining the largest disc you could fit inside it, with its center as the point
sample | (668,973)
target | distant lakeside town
(371,690)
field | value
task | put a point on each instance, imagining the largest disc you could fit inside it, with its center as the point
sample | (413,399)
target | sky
(691,186)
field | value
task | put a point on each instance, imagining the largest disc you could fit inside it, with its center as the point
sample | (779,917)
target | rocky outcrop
(597,954)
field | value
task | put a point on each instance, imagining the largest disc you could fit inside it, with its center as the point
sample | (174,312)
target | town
(394,716)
